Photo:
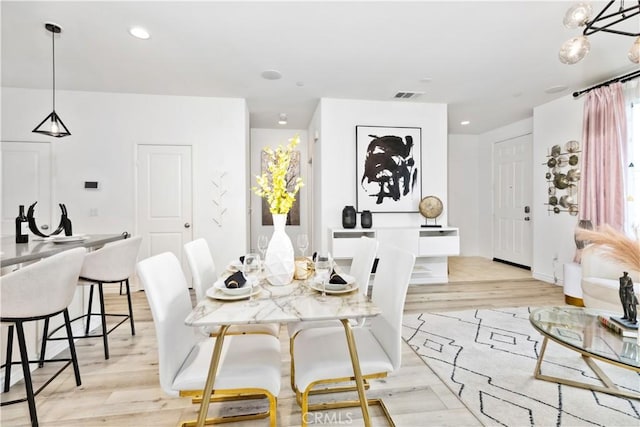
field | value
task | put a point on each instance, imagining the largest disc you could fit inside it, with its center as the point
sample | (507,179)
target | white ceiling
(490,61)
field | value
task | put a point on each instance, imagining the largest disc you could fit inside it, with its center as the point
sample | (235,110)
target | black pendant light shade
(52,125)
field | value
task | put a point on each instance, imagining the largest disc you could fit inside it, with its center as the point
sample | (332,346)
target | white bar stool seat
(113,263)
(40,291)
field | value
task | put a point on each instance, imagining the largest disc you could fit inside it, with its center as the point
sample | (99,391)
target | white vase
(279,259)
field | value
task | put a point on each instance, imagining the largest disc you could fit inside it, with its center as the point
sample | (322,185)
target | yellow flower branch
(273,184)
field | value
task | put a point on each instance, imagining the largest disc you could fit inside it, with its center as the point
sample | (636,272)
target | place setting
(241,283)
(327,280)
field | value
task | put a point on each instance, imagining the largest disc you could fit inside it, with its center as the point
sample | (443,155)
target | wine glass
(263,243)
(323,270)
(303,243)
(251,269)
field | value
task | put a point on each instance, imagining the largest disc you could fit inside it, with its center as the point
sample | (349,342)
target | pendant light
(52,125)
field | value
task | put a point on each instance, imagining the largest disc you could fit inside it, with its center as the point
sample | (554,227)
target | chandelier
(579,15)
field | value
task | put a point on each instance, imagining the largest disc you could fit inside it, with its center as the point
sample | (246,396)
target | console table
(431,245)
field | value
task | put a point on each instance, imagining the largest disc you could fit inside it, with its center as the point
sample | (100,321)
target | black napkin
(236,280)
(242,259)
(335,278)
(314,256)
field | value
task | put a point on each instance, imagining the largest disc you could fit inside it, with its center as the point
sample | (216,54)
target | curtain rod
(624,78)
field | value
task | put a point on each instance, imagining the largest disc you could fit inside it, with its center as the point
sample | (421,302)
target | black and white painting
(388,168)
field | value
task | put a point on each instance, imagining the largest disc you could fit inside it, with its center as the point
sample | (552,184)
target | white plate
(215,293)
(219,285)
(66,239)
(236,265)
(334,288)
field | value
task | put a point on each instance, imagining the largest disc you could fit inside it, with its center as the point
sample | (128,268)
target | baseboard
(513,264)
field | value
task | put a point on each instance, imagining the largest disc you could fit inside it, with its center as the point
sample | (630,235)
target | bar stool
(113,263)
(40,291)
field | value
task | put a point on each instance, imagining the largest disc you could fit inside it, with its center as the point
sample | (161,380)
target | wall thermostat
(91,184)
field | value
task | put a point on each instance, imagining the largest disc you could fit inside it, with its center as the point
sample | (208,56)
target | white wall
(464,195)
(556,122)
(315,180)
(261,138)
(106,127)
(336,167)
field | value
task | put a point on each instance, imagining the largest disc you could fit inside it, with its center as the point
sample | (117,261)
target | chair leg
(105,339)
(9,359)
(43,346)
(133,328)
(120,288)
(72,347)
(88,326)
(24,355)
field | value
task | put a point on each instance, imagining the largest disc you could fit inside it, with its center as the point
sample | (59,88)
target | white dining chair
(250,364)
(115,262)
(203,274)
(40,291)
(321,355)
(361,265)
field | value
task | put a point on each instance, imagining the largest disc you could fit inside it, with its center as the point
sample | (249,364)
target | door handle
(187,225)
(526,218)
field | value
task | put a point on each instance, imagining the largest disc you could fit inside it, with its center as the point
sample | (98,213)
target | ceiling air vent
(407,95)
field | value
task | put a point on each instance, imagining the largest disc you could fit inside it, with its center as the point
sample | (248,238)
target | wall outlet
(93,212)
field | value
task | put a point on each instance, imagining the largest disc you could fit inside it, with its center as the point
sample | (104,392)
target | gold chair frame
(326,390)
(228,395)
(303,398)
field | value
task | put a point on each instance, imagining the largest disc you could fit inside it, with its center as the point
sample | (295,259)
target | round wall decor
(431,208)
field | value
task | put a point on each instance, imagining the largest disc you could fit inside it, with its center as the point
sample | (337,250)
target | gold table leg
(211,376)
(357,373)
(609,387)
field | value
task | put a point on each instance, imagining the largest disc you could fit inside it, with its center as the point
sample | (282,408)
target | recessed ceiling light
(282,120)
(465,122)
(556,89)
(139,33)
(271,74)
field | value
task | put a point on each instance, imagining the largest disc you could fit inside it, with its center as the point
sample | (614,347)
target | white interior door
(164,208)
(26,178)
(512,200)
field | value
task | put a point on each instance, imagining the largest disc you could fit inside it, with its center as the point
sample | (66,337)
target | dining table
(40,247)
(297,301)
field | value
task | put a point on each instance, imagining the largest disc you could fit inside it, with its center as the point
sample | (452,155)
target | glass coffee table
(579,329)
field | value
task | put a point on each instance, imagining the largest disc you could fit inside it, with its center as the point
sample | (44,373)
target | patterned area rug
(487,357)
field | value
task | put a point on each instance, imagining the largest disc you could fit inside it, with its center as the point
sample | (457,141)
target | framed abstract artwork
(388,168)
(293,217)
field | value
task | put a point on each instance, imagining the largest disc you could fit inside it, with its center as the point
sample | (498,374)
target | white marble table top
(282,304)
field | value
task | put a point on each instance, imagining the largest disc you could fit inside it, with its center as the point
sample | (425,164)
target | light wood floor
(124,390)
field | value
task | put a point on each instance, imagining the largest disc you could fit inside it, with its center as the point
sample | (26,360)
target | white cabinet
(431,246)
(439,242)
(344,242)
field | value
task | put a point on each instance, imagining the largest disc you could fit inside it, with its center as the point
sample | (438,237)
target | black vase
(365,219)
(349,217)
